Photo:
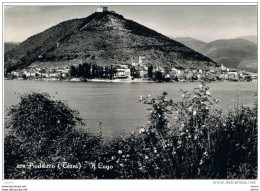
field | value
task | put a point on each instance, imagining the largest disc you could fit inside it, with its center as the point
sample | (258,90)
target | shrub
(42,130)
(199,143)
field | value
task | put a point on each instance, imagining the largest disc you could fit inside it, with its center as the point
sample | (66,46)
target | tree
(24,76)
(158,76)
(132,70)
(86,70)
(80,70)
(94,70)
(73,71)
(101,72)
(150,71)
(86,73)
(106,72)
(112,72)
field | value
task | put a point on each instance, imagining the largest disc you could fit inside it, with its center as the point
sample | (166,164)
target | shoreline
(116,80)
(89,80)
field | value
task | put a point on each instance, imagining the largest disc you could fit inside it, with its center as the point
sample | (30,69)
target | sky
(205,23)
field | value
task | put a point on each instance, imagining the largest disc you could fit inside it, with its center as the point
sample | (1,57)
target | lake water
(116,104)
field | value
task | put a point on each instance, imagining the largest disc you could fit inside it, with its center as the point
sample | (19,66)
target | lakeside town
(134,72)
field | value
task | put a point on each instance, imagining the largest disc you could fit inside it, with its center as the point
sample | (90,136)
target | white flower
(190,109)
(146,157)
(208,92)
(119,152)
(194,112)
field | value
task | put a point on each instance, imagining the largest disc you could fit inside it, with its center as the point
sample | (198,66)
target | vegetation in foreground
(45,141)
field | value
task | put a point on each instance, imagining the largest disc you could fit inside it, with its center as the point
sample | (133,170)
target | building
(223,67)
(102,9)
(17,73)
(122,72)
(232,75)
(143,73)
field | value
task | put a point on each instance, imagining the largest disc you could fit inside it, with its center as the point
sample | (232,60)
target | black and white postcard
(130,91)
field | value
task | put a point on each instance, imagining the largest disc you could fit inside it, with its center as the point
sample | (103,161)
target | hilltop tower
(102,9)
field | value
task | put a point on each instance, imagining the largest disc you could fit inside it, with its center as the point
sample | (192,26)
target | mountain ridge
(233,53)
(251,38)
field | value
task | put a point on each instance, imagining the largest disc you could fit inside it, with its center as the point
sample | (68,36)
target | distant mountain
(103,38)
(233,53)
(193,43)
(10,45)
(251,38)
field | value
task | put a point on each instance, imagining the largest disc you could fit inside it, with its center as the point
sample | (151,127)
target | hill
(251,38)
(193,43)
(9,46)
(233,53)
(103,38)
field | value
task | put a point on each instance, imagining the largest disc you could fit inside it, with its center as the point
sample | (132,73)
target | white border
(122,185)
